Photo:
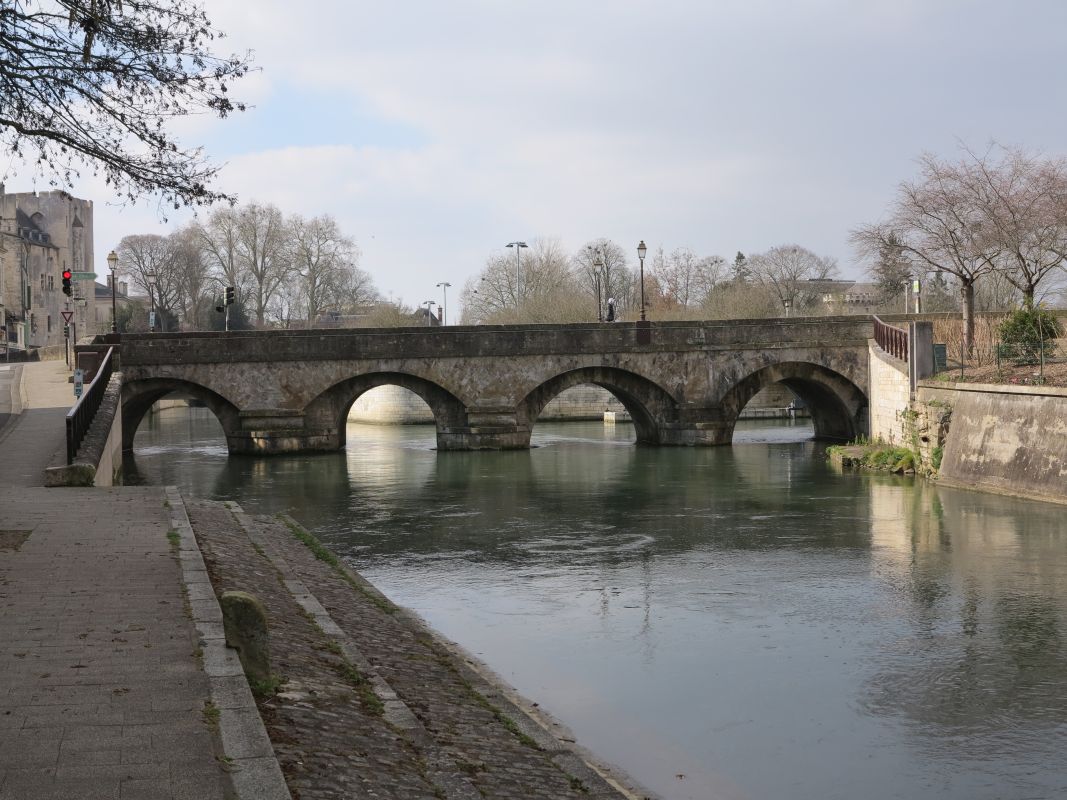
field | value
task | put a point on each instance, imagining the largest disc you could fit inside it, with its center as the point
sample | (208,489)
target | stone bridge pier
(684,383)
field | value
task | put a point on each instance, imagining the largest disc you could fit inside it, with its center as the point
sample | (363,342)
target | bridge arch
(140,395)
(838,407)
(649,405)
(331,407)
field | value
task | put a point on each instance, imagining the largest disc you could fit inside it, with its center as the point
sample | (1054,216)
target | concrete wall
(890,396)
(1005,439)
(99,459)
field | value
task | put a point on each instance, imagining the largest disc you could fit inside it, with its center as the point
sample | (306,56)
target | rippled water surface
(722,623)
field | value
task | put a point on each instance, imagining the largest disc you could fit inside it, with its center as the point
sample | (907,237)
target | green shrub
(936,456)
(1023,334)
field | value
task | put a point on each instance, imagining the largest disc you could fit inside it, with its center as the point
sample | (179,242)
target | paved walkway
(30,440)
(102,693)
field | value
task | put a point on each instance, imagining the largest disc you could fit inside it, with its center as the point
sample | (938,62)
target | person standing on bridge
(611,309)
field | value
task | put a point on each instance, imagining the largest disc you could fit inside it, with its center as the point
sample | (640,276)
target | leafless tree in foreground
(93,83)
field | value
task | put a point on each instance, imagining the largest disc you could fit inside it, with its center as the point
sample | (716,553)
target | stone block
(244,620)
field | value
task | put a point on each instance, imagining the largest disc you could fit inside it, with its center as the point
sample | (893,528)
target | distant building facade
(41,234)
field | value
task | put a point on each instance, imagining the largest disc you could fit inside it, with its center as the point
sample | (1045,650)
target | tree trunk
(1028,298)
(967,292)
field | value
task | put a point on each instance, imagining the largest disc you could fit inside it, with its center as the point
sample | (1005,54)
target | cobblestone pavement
(371,700)
(101,692)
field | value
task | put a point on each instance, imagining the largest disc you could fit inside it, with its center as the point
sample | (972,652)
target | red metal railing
(893,340)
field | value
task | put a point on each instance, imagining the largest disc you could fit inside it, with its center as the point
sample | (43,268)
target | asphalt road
(8,380)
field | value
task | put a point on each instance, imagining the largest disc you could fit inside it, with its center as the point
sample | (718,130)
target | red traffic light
(67,288)
(67,274)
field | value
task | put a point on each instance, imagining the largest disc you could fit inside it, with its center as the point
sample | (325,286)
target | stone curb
(549,735)
(254,770)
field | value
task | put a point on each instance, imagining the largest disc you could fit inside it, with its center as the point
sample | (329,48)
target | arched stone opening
(838,407)
(331,408)
(139,396)
(649,405)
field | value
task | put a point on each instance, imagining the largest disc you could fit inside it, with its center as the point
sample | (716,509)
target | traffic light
(67,275)
(231,295)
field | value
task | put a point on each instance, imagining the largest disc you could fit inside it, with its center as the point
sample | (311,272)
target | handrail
(891,339)
(80,417)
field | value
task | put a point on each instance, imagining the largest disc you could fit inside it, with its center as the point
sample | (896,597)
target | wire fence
(1036,361)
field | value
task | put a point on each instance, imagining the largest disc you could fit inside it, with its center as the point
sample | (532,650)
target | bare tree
(193,281)
(324,262)
(220,243)
(684,279)
(547,290)
(94,83)
(262,254)
(603,262)
(938,224)
(1021,200)
(149,261)
(786,270)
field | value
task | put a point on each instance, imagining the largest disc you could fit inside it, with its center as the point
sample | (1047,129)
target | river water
(736,622)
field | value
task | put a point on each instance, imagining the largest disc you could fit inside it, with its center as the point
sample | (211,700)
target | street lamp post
(443,286)
(113,262)
(641,250)
(429,311)
(518,246)
(788,306)
(598,264)
(150,279)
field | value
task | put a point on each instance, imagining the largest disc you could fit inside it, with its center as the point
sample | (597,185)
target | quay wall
(999,438)
(890,396)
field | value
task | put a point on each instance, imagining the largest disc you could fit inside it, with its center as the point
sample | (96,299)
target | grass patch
(368,699)
(211,715)
(174,538)
(268,687)
(936,456)
(319,550)
(502,718)
(578,785)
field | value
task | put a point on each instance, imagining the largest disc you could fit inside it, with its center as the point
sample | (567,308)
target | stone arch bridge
(684,383)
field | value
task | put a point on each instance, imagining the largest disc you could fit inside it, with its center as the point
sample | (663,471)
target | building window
(42,282)
(51,283)
(49,323)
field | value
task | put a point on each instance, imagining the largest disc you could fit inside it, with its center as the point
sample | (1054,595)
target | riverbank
(371,700)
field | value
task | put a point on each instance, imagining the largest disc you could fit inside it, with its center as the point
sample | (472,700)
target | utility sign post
(79,375)
(67,316)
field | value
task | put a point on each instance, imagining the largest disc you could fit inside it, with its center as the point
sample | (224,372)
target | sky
(436,133)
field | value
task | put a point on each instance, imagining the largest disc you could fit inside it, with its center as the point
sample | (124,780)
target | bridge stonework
(684,383)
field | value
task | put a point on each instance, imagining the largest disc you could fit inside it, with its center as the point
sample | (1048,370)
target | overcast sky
(437,132)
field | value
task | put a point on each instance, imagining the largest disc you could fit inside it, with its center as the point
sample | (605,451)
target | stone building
(41,234)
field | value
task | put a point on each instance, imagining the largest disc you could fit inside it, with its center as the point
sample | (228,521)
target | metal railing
(892,340)
(80,417)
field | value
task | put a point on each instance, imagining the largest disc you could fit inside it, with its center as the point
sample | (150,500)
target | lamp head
(641,250)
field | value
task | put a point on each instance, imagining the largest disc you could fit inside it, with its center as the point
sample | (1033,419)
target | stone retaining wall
(1004,439)
(890,396)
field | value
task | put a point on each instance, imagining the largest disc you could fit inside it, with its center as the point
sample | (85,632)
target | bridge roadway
(684,383)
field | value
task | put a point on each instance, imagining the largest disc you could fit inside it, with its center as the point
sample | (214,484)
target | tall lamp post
(598,264)
(429,311)
(112,263)
(443,286)
(518,246)
(151,280)
(641,250)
